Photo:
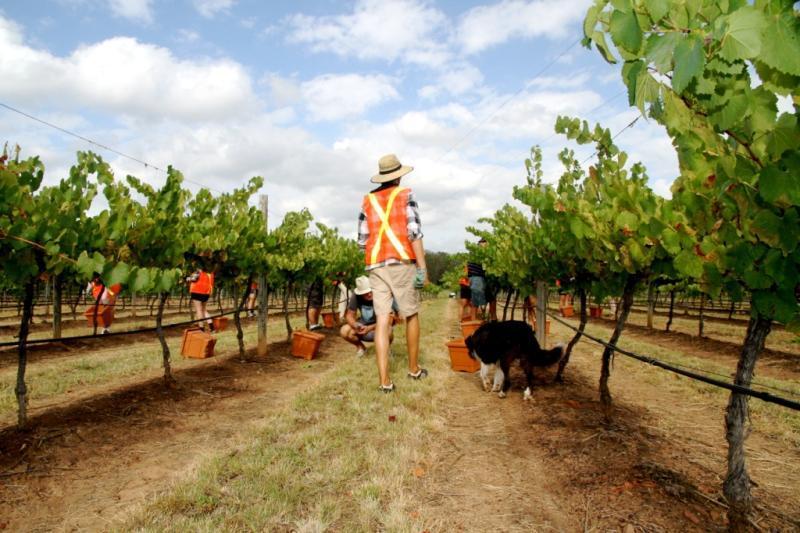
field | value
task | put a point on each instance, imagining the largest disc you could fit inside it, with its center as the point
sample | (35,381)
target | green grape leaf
(689,62)
(742,40)
(689,264)
(785,136)
(590,21)
(775,80)
(780,305)
(731,111)
(767,226)
(756,280)
(625,30)
(627,220)
(118,274)
(671,241)
(781,46)
(637,252)
(658,9)
(139,280)
(600,41)
(660,48)
(647,89)
(779,187)
(764,109)
(88,265)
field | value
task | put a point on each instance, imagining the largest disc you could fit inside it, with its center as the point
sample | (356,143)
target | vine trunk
(22,354)
(168,379)
(608,353)
(736,486)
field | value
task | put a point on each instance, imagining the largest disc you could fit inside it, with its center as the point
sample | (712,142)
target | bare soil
(497,464)
(555,464)
(771,362)
(83,466)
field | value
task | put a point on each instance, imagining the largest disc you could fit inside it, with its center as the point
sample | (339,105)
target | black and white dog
(500,343)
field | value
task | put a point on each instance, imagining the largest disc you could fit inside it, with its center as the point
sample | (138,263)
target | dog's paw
(487,385)
(501,394)
(496,388)
(527,396)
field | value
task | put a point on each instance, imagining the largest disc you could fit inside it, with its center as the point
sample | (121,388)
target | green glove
(419,279)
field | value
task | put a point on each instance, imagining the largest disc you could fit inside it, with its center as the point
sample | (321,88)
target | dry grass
(332,460)
(778,339)
(775,420)
(54,379)
(690,415)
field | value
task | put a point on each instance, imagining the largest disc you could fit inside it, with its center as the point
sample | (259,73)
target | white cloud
(570,81)
(137,10)
(283,91)
(453,81)
(410,31)
(122,75)
(187,36)
(333,97)
(532,114)
(485,26)
(210,8)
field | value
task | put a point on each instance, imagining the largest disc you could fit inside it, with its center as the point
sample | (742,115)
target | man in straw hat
(360,320)
(390,233)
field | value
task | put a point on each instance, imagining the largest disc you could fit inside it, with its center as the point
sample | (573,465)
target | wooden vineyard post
(263,303)
(541,313)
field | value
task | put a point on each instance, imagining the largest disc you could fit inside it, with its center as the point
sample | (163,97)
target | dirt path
(484,477)
(495,465)
(554,464)
(83,466)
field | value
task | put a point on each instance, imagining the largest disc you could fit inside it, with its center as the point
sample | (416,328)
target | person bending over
(360,320)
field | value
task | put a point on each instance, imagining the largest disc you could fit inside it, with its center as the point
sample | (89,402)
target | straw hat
(389,168)
(362,285)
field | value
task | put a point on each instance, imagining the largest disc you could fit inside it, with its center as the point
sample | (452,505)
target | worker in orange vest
(390,233)
(103,295)
(201,284)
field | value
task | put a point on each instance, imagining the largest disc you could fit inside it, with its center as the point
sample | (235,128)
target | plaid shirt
(413,226)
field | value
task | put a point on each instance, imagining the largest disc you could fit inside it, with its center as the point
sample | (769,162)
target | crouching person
(359,317)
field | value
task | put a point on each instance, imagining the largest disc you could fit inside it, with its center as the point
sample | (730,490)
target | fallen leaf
(705,489)
(418,471)
(414,514)
(622,488)
(691,517)
(572,403)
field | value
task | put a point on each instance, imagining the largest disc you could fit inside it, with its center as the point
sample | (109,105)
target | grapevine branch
(728,132)
(4,235)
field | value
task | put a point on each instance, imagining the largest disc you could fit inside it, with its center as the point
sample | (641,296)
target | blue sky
(310,94)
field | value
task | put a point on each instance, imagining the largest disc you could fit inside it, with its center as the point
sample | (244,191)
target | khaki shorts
(396,281)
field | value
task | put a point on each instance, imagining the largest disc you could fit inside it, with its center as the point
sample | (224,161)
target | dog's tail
(553,355)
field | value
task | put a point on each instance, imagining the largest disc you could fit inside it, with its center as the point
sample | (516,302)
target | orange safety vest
(112,291)
(387,225)
(97,288)
(204,283)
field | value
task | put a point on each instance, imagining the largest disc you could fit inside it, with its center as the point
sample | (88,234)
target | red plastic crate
(105,315)
(306,344)
(197,344)
(460,361)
